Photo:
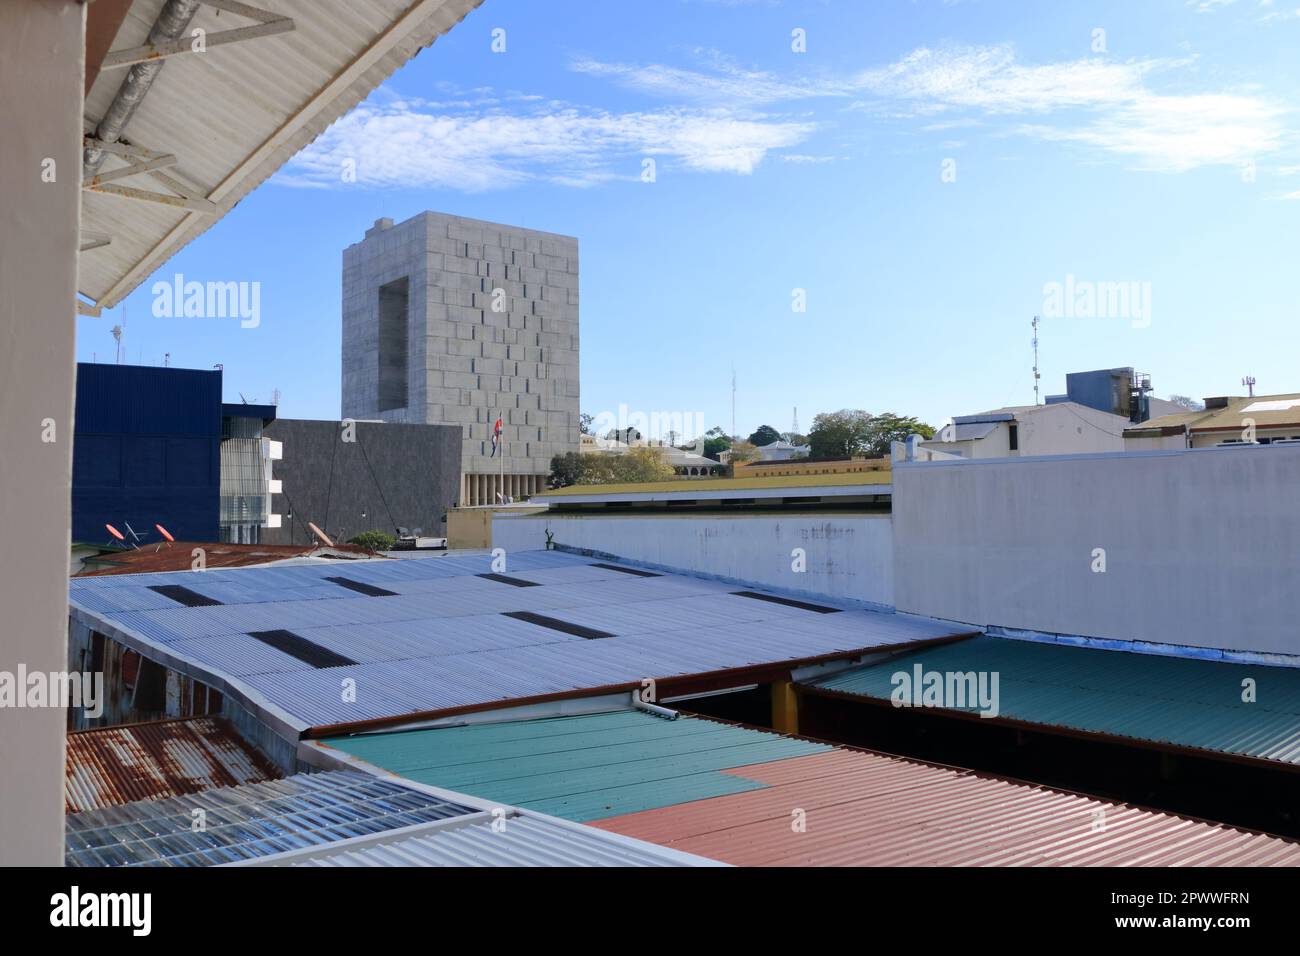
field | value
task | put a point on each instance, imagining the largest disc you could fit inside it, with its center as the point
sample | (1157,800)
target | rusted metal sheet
(179,556)
(167,758)
(850,808)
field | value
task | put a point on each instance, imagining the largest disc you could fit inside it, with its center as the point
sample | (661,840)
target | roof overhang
(214,124)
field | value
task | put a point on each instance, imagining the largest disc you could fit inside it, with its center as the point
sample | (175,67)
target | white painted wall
(1064,428)
(41,62)
(1202,547)
(848,556)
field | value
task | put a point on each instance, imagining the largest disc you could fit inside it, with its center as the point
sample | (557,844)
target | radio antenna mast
(1036,375)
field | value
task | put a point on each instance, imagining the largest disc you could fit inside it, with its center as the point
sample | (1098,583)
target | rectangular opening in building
(637,571)
(394,299)
(294,645)
(183,595)
(515,582)
(788,602)
(555,624)
(361,587)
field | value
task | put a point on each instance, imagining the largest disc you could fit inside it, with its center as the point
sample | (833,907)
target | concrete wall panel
(848,556)
(1202,548)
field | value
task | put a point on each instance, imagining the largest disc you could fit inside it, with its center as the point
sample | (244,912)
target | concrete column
(785,707)
(42,62)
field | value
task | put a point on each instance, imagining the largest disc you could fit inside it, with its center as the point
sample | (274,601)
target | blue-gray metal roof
(512,841)
(443,641)
(249,821)
(1158,699)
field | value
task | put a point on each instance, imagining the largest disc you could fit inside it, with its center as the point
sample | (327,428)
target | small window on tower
(1015,436)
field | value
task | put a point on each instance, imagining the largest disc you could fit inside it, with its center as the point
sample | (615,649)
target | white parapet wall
(1199,548)
(844,556)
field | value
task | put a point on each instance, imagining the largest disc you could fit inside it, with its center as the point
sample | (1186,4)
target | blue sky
(923,171)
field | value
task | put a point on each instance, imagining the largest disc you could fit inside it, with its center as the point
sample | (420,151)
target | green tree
(566,469)
(851,432)
(743,451)
(764,435)
(841,434)
(716,441)
(584,422)
(887,428)
(639,465)
(374,540)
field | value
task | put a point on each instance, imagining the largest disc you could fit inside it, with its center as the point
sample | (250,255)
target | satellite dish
(321,535)
(115,533)
(164,532)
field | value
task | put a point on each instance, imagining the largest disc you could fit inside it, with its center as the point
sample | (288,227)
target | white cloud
(724,80)
(1100,102)
(1178,133)
(404,143)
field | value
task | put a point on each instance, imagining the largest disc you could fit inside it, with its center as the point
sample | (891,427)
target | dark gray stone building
(388,476)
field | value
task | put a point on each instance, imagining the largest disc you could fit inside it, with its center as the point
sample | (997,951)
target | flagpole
(503,456)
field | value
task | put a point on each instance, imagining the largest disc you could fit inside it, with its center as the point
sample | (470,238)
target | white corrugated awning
(222,121)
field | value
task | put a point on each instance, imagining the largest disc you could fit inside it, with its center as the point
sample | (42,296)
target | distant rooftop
(1228,413)
(697,485)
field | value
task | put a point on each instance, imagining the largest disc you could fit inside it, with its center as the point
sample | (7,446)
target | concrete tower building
(461,322)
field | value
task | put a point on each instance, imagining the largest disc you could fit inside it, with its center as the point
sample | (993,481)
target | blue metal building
(146,451)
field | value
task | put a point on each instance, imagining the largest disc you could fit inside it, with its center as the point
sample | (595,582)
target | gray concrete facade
(458,322)
(391,475)
(1191,547)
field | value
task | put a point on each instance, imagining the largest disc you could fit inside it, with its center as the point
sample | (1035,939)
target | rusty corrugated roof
(112,766)
(179,557)
(866,809)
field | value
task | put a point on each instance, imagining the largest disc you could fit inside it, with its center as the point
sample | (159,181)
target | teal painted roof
(1167,700)
(581,768)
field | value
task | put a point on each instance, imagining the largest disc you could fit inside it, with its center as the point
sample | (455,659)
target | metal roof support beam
(94,240)
(133,169)
(181,202)
(269,24)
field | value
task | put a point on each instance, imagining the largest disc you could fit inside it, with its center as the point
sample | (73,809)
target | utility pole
(734,436)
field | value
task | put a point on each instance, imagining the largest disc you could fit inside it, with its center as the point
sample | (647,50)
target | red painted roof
(865,809)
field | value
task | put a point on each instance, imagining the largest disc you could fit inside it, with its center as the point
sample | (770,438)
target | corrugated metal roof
(730,793)
(580,768)
(1267,411)
(863,809)
(442,641)
(168,758)
(1174,701)
(179,557)
(249,821)
(517,841)
(233,115)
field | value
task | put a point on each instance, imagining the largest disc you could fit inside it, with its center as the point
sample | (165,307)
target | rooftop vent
(379,226)
(1220,402)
